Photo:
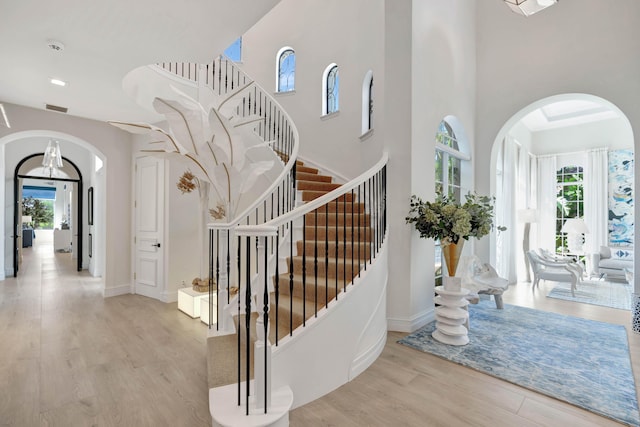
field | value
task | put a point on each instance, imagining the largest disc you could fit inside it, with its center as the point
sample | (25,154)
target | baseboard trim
(412,324)
(116,290)
(365,360)
(169,296)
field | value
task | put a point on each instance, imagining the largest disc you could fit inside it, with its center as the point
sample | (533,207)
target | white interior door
(149,208)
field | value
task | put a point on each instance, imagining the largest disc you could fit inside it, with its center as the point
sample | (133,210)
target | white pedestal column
(451,316)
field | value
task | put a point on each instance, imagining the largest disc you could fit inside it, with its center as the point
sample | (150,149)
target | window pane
(333,86)
(446,136)
(234,52)
(438,264)
(569,201)
(286,71)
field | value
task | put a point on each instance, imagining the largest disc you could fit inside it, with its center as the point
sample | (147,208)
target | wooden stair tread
(305,176)
(308,195)
(317,185)
(307,169)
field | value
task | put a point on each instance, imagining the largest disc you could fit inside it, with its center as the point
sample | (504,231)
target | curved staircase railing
(341,233)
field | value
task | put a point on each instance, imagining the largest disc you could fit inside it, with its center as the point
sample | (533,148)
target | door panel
(149,207)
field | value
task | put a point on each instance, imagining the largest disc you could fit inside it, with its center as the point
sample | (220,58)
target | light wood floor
(405,387)
(68,357)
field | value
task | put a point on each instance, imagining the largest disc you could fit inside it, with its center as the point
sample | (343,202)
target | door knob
(157,245)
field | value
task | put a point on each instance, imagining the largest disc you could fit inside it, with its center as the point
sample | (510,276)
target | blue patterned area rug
(608,294)
(582,362)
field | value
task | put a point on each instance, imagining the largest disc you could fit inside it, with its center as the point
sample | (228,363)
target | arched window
(449,161)
(330,90)
(285,70)
(367,102)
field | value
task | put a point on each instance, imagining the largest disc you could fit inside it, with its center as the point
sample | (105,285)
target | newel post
(220,266)
(265,235)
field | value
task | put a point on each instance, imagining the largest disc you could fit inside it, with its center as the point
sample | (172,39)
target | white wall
(573,47)
(184,253)
(322,33)
(422,55)
(110,143)
(443,84)
(614,133)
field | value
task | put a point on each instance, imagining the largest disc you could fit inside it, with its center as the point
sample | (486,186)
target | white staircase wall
(310,362)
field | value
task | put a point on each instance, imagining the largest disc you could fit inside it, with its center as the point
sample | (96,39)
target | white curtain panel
(547,202)
(533,197)
(595,199)
(506,212)
(522,202)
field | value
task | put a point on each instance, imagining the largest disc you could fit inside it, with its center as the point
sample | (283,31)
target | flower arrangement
(449,221)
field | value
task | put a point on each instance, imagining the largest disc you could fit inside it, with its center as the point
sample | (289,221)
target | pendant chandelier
(529,7)
(52,160)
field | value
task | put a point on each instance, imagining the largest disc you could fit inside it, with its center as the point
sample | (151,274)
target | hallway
(72,358)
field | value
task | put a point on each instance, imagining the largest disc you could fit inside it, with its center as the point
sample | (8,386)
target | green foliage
(449,221)
(41,211)
(569,201)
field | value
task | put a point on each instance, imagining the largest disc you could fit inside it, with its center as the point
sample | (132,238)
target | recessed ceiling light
(58,82)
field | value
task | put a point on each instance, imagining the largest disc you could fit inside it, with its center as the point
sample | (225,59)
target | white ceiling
(567,113)
(104,40)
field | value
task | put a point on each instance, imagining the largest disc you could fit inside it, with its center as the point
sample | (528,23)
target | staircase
(328,249)
(324,293)
(306,260)
(324,260)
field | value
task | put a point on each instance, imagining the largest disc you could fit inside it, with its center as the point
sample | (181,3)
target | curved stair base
(223,405)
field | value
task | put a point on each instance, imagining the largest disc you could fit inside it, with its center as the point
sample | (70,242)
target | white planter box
(189,301)
(204,309)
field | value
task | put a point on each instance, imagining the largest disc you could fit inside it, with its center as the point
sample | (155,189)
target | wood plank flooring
(69,357)
(405,387)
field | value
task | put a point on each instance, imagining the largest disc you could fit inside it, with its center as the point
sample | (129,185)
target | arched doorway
(93,165)
(68,173)
(531,153)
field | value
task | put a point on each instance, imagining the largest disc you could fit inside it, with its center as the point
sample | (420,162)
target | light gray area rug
(582,362)
(605,293)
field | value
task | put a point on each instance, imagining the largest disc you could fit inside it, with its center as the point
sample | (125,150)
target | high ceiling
(103,41)
(567,113)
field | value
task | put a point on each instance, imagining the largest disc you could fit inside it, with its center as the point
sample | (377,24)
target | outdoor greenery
(41,212)
(570,201)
